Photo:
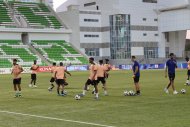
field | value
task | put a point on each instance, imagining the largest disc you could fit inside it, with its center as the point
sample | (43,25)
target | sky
(57,3)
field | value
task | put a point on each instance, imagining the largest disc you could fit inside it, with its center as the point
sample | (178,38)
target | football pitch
(40,108)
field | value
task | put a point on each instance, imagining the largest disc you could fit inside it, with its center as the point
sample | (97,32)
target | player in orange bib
(60,78)
(92,80)
(106,75)
(52,80)
(102,69)
(34,69)
(188,70)
(16,72)
(108,68)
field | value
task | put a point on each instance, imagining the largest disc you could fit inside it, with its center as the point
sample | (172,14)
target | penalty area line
(57,119)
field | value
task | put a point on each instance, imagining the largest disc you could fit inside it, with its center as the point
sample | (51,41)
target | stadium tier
(10,49)
(5,16)
(58,50)
(36,14)
(4,62)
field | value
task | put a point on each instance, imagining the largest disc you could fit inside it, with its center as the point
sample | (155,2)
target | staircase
(37,53)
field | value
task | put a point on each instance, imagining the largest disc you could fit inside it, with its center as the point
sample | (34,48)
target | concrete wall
(175,20)
(45,36)
(10,36)
(177,42)
(171,4)
(71,19)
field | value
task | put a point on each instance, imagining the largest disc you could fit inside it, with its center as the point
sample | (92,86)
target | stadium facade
(117,29)
(114,29)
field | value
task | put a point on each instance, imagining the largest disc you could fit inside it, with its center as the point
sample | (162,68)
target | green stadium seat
(5,63)
(21,52)
(37,14)
(5,18)
(15,49)
(59,50)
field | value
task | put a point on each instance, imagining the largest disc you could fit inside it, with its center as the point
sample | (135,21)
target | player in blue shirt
(171,65)
(136,74)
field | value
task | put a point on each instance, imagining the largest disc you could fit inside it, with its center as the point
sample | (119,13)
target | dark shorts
(136,79)
(17,81)
(188,72)
(52,79)
(33,76)
(101,79)
(60,81)
(91,82)
(171,76)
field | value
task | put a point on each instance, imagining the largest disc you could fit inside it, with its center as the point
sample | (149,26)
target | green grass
(153,109)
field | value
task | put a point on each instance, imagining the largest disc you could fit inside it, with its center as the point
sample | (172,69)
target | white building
(117,29)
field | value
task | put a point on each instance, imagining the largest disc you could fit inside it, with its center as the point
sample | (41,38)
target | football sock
(96,95)
(16,93)
(84,92)
(52,86)
(57,91)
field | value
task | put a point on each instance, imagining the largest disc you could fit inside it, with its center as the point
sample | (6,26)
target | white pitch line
(58,119)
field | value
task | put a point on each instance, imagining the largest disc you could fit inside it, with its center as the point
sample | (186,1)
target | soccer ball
(65,92)
(30,85)
(183,91)
(126,93)
(131,93)
(77,97)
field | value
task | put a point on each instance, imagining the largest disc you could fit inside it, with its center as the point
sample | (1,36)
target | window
(144,19)
(155,20)
(120,37)
(89,4)
(167,36)
(155,34)
(97,7)
(167,51)
(150,1)
(91,20)
(144,34)
(151,52)
(92,51)
(89,35)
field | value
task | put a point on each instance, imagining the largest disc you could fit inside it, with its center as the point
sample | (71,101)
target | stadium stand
(5,16)
(58,50)
(15,49)
(36,14)
(5,63)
